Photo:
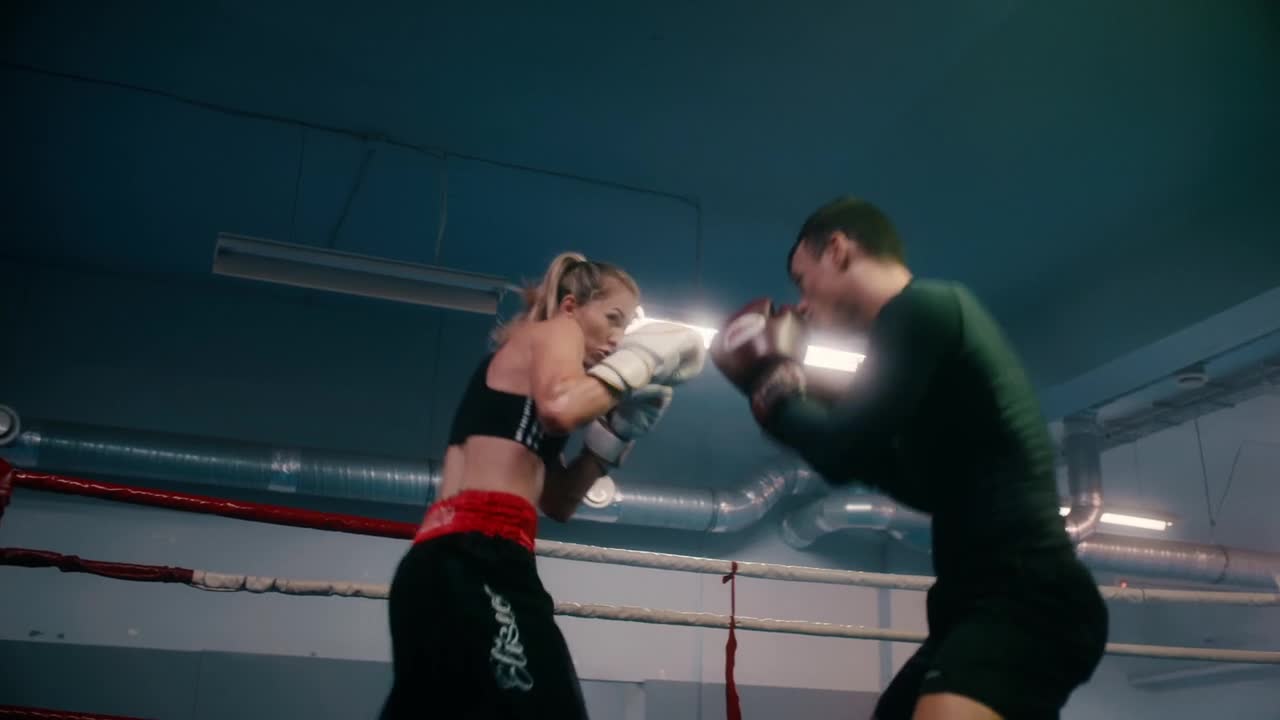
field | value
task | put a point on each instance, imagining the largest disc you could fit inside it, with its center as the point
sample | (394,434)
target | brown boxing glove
(761,351)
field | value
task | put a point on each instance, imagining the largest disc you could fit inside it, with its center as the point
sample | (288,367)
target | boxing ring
(12,478)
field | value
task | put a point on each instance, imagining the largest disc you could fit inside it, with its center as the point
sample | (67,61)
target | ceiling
(1103,174)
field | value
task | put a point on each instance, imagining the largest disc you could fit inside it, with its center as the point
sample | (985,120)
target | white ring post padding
(801,627)
(223,582)
(796,573)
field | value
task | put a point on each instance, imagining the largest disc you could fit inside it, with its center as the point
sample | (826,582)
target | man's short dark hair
(863,222)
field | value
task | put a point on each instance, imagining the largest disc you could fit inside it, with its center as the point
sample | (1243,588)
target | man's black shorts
(1017,635)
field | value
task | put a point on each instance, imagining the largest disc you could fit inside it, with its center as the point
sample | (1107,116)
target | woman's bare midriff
(492,464)
(496,464)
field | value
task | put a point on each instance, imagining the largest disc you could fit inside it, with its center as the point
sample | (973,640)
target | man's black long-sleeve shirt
(943,418)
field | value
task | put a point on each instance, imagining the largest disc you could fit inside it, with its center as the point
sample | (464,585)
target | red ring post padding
(13,711)
(257,512)
(25,557)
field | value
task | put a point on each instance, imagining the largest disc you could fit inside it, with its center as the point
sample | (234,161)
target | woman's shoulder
(533,335)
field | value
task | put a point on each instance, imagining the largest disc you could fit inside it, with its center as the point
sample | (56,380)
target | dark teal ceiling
(1102,173)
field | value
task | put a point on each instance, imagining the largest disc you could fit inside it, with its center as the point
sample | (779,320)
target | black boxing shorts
(473,631)
(1018,636)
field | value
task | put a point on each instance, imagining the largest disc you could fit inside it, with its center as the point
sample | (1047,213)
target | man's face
(820,276)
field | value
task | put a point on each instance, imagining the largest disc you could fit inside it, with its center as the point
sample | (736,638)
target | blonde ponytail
(540,301)
(570,273)
(546,296)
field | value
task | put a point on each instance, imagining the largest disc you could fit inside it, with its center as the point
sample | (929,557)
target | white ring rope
(708,566)
(801,627)
(222,582)
(712,620)
(796,573)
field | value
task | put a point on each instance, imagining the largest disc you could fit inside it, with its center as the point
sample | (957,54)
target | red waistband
(497,514)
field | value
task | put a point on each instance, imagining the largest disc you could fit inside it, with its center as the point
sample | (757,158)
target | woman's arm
(607,442)
(566,396)
(566,485)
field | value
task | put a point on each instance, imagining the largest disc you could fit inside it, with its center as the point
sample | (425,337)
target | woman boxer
(470,621)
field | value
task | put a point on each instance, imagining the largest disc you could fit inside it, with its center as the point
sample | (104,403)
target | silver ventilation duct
(697,509)
(74,449)
(1139,557)
(851,508)
(1083,450)
(1173,560)
(10,426)
(1146,557)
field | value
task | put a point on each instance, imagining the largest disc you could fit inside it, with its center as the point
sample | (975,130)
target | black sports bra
(493,413)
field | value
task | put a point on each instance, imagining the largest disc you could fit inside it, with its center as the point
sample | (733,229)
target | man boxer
(942,417)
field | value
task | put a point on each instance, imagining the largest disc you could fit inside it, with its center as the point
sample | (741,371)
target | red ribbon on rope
(6,484)
(733,707)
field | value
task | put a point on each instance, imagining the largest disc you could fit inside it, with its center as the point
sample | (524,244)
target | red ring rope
(257,512)
(13,711)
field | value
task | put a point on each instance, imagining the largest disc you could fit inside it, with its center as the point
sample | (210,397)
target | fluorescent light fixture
(832,359)
(1134,521)
(815,356)
(335,271)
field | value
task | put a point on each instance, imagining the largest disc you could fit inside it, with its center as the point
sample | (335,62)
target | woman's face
(605,318)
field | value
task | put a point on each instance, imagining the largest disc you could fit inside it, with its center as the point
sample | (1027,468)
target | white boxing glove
(659,352)
(611,436)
